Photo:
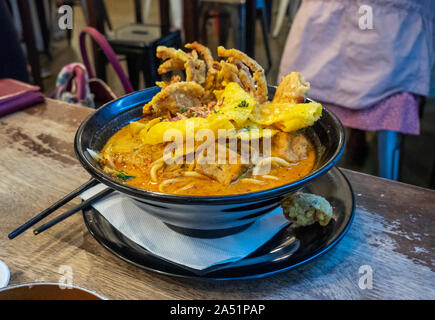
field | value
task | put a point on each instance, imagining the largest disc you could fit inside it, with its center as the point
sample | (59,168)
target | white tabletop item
(4,274)
(197,253)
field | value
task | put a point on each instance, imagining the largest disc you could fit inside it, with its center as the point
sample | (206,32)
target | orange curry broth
(198,186)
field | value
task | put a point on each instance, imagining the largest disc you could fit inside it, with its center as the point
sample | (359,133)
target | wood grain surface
(392,234)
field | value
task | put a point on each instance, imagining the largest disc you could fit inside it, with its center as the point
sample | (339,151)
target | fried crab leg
(258,72)
(164,84)
(179,60)
(209,61)
(228,72)
(292,89)
(244,75)
(175,97)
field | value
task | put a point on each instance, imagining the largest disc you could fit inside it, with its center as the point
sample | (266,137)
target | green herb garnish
(183,110)
(300,131)
(123,176)
(135,149)
(243,104)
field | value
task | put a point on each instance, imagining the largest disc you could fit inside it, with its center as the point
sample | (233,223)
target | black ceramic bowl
(200,215)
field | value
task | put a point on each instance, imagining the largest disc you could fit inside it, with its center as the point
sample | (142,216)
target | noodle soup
(262,146)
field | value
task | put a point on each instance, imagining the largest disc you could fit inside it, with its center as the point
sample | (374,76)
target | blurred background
(133,28)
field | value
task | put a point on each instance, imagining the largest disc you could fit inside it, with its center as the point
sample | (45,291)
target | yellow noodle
(267,176)
(169,181)
(109,160)
(254,181)
(96,156)
(269,160)
(194,174)
(110,170)
(186,187)
(157,161)
(153,171)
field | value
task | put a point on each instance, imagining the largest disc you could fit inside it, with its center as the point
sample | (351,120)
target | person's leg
(356,147)
(12,60)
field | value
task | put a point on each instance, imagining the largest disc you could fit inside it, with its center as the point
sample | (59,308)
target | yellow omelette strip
(156,134)
(287,116)
(252,131)
(234,103)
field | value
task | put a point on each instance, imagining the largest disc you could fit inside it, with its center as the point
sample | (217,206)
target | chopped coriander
(300,131)
(183,110)
(123,176)
(243,104)
(135,149)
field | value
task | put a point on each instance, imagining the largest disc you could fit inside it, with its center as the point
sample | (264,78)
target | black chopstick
(69,213)
(92,182)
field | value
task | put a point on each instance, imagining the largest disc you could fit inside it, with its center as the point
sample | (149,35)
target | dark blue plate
(314,240)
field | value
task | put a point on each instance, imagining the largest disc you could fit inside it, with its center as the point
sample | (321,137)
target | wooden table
(392,232)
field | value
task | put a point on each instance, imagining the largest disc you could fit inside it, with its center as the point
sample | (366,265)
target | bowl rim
(143,194)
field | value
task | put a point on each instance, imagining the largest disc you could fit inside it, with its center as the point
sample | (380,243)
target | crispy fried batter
(164,84)
(258,71)
(200,68)
(171,65)
(244,75)
(227,73)
(292,89)
(212,75)
(209,61)
(174,97)
(176,59)
(305,209)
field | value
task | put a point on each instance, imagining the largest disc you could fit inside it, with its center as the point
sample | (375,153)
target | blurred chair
(235,10)
(389,147)
(82,5)
(284,6)
(136,41)
(139,48)
(176,12)
(221,9)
